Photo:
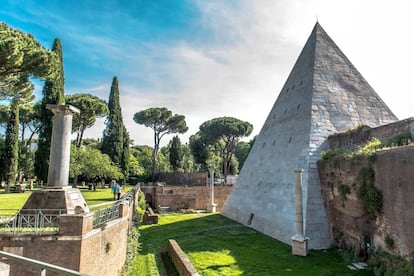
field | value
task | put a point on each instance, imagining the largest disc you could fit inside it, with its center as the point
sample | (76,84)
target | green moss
(344,190)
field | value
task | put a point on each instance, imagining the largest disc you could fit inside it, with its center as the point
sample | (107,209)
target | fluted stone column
(59,159)
(58,195)
(211,206)
(299,242)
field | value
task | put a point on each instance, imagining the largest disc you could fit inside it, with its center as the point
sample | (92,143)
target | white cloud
(253,47)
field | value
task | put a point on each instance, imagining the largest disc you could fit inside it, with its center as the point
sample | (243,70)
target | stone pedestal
(68,199)
(57,194)
(211,208)
(299,245)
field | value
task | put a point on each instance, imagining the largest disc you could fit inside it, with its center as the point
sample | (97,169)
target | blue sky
(211,58)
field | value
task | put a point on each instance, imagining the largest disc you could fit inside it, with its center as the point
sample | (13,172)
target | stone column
(59,159)
(299,242)
(212,206)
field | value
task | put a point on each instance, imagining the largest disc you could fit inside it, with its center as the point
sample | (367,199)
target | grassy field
(218,246)
(17,200)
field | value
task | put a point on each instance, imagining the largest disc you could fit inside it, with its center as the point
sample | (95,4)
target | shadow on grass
(219,246)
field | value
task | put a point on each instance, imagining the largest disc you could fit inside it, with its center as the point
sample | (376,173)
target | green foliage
(389,242)
(142,204)
(21,55)
(224,133)
(199,149)
(371,197)
(383,263)
(11,151)
(133,246)
(112,140)
(344,190)
(371,147)
(398,140)
(176,153)
(162,123)
(334,153)
(241,151)
(53,93)
(219,246)
(115,140)
(91,107)
(92,164)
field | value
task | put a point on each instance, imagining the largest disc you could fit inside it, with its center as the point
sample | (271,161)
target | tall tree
(53,93)
(223,133)
(22,55)
(162,122)
(23,92)
(176,153)
(91,107)
(115,140)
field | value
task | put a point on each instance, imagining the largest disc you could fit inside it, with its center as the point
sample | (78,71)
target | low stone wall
(180,260)
(363,134)
(196,197)
(78,246)
(190,179)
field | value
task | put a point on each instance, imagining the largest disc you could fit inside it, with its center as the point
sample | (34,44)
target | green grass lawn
(219,246)
(17,200)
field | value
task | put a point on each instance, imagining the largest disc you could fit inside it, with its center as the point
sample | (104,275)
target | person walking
(119,191)
(115,189)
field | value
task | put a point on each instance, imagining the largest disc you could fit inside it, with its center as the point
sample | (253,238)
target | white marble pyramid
(323,94)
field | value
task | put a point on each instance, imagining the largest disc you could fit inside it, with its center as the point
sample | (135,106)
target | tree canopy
(91,107)
(162,122)
(223,133)
(21,55)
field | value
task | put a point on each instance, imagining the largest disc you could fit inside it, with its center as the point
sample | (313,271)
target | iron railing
(105,212)
(29,221)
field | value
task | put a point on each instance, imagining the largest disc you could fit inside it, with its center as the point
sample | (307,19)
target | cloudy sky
(211,58)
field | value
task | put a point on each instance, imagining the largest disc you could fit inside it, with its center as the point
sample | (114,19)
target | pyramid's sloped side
(323,94)
(263,196)
(342,99)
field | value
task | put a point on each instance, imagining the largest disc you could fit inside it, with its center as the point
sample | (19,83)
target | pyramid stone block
(323,94)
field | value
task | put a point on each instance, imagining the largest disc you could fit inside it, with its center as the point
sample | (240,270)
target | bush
(344,190)
(383,263)
(400,139)
(371,197)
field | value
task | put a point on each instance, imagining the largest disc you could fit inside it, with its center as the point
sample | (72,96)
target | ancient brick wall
(196,197)
(363,134)
(352,226)
(190,179)
(78,246)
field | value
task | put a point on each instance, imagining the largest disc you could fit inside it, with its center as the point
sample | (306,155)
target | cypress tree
(115,140)
(53,93)
(11,152)
(176,153)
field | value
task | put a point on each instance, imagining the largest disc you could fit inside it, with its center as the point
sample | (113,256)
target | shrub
(344,190)
(400,139)
(371,197)
(371,147)
(383,263)
(333,153)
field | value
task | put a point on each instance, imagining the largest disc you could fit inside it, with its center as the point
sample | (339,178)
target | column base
(211,208)
(299,245)
(64,198)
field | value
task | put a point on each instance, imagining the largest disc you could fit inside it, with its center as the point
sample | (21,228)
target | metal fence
(30,221)
(105,212)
